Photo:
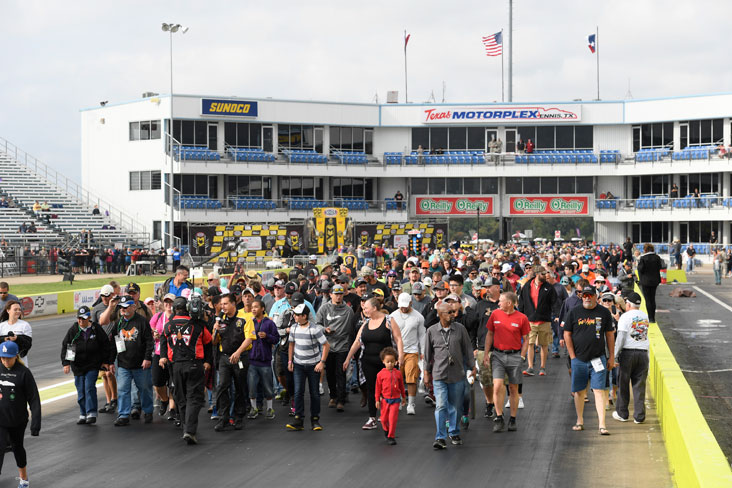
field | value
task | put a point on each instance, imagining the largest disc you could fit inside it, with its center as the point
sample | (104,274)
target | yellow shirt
(248,326)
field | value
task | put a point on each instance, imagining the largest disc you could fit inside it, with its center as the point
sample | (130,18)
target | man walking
(631,353)
(537,301)
(337,320)
(411,326)
(649,277)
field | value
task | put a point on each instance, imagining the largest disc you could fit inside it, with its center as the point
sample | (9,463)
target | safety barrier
(694,455)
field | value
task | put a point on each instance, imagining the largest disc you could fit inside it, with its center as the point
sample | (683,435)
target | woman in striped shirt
(307,354)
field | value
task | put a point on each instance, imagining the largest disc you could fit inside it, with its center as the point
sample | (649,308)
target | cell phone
(615,310)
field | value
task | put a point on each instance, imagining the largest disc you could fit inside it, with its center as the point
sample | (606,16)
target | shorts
(582,372)
(541,331)
(504,364)
(160,376)
(411,368)
(485,375)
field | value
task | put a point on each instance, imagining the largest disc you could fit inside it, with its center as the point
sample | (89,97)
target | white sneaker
(410,409)
(521,402)
(370,424)
(321,389)
(23,483)
(617,417)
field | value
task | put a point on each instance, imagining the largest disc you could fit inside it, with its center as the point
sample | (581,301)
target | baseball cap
(564,280)
(440,286)
(338,290)
(417,288)
(585,268)
(427,281)
(325,285)
(169,296)
(290,288)
(133,287)
(300,309)
(506,268)
(9,349)
(608,296)
(367,271)
(269,284)
(539,269)
(425,264)
(297,298)
(359,282)
(404,300)
(600,278)
(106,290)
(248,290)
(366,296)
(126,301)
(344,279)
(396,286)
(214,291)
(589,290)
(391,272)
(236,289)
(279,284)
(313,257)
(492,281)
(633,298)
(453,297)
(148,300)
(377,292)
(83,313)
(312,273)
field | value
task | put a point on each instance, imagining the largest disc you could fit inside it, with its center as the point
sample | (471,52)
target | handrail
(705,201)
(70,187)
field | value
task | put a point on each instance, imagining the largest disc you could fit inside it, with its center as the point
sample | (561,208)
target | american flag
(493,44)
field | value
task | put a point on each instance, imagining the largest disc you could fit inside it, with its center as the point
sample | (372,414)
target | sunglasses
(4,293)
(605,300)
(210,280)
(587,295)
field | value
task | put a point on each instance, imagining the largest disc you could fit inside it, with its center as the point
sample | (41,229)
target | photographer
(190,358)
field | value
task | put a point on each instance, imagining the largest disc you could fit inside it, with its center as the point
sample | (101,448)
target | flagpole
(406,90)
(503,98)
(597,49)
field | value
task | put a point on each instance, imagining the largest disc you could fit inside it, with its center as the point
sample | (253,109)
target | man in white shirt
(411,325)
(631,353)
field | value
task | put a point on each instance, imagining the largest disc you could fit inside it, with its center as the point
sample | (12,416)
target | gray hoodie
(339,318)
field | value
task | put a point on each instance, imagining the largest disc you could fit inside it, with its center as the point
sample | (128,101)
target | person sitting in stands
(45,207)
(609,195)
(96,210)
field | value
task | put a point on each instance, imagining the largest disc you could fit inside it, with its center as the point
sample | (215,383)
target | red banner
(568,205)
(453,205)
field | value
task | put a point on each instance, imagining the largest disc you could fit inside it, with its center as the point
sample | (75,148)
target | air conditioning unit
(392,97)
(149,94)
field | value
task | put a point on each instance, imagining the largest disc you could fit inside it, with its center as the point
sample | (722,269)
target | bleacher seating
(578,156)
(651,201)
(610,156)
(250,154)
(352,203)
(689,201)
(305,156)
(606,203)
(393,158)
(252,203)
(392,204)
(451,157)
(67,215)
(196,202)
(653,154)
(694,152)
(351,157)
(195,153)
(305,203)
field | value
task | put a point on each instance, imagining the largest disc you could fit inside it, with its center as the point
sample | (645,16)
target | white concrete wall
(392,139)
(606,137)
(607,232)
(387,187)
(614,184)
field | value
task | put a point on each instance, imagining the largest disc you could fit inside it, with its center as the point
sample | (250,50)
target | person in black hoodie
(84,351)
(134,345)
(18,391)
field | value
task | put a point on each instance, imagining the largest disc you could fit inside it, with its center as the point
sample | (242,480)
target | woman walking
(12,328)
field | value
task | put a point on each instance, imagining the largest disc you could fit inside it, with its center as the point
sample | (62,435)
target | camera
(196,308)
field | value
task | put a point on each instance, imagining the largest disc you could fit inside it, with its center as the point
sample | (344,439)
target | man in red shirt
(507,336)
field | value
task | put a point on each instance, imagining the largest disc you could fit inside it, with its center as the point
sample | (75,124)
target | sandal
(578,427)
(604,431)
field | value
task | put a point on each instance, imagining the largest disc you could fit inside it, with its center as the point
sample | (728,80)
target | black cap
(312,273)
(180,303)
(83,313)
(214,291)
(133,287)
(634,298)
(297,298)
(589,290)
(359,282)
(290,288)
(325,285)
(491,282)
(236,289)
(366,296)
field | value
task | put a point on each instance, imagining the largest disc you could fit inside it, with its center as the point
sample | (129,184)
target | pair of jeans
(336,376)
(448,399)
(718,276)
(86,393)
(260,375)
(143,380)
(302,372)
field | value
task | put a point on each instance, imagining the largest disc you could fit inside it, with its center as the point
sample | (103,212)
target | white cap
(313,257)
(106,290)
(404,300)
(506,268)
(300,309)
(427,281)
(585,268)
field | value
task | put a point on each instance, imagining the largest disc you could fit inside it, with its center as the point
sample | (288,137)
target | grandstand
(26,181)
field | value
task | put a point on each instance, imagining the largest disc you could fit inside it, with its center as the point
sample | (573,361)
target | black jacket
(139,343)
(649,269)
(542,312)
(19,391)
(90,353)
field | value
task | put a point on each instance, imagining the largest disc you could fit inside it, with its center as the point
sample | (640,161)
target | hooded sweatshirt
(138,339)
(18,391)
(339,318)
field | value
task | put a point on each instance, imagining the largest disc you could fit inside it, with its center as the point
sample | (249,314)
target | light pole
(171,28)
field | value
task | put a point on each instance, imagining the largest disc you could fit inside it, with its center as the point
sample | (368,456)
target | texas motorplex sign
(459,206)
(560,205)
(513,114)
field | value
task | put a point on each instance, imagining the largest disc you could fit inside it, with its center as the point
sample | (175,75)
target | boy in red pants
(389,393)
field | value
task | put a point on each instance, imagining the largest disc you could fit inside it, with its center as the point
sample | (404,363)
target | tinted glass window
(549,185)
(458,137)
(438,138)
(565,137)
(544,137)
(471,186)
(513,185)
(454,186)
(419,186)
(489,185)
(420,137)
(566,184)
(437,186)
(476,138)
(583,137)
(532,185)
(584,184)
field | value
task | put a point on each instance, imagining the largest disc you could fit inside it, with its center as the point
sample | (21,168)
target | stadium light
(171,28)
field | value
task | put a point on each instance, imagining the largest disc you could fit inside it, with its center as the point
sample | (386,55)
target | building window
(144,180)
(705,132)
(656,135)
(196,185)
(454,186)
(301,186)
(357,139)
(145,130)
(157,234)
(353,188)
(549,185)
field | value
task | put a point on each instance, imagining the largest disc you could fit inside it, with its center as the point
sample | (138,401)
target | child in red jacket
(389,393)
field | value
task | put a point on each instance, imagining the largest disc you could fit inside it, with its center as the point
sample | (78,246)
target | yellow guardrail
(695,458)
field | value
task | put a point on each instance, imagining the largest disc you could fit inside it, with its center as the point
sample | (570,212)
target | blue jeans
(260,375)
(143,380)
(718,276)
(448,399)
(86,393)
(301,373)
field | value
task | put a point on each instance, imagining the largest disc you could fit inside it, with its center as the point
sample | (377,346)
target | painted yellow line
(695,457)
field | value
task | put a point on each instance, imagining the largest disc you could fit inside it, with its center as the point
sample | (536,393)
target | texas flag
(591,43)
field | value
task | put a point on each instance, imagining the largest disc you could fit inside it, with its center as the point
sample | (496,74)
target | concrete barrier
(695,458)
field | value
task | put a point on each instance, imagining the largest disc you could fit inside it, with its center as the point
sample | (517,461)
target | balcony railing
(707,201)
(248,203)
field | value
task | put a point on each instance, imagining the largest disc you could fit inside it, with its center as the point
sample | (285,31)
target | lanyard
(446,337)
(78,333)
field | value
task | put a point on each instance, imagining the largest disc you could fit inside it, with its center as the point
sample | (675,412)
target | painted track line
(55,385)
(713,298)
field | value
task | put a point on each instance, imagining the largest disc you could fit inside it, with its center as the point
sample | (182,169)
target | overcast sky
(59,57)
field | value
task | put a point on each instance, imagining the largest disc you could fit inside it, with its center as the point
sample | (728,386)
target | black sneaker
(163,408)
(81,421)
(122,421)
(238,424)
(171,415)
(221,425)
(315,421)
(391,441)
(91,420)
(439,444)
(488,410)
(107,408)
(148,418)
(135,414)
(190,439)
(512,425)
(296,423)
(498,424)
(456,440)
(113,406)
